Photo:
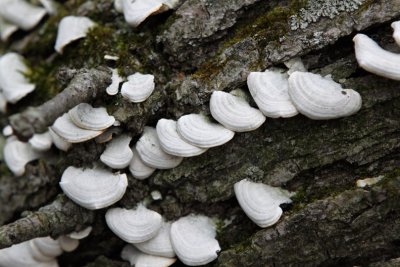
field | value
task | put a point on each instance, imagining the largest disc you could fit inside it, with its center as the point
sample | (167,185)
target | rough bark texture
(208,45)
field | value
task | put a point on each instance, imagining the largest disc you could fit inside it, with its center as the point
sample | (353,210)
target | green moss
(266,27)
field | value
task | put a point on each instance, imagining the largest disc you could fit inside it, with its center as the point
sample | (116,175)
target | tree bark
(207,45)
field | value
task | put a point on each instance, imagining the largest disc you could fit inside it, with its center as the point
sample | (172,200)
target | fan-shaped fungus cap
(71,28)
(138,168)
(138,87)
(118,154)
(89,118)
(21,13)
(140,259)
(12,80)
(134,226)
(150,152)
(93,188)
(199,131)
(261,202)
(17,154)
(373,58)
(270,91)
(321,98)
(172,143)
(193,239)
(234,112)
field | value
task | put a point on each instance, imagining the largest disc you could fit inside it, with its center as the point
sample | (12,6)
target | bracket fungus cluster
(42,251)
(152,240)
(373,58)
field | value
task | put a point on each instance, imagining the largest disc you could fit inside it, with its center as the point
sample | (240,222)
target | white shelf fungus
(71,28)
(71,133)
(17,154)
(160,245)
(59,142)
(68,244)
(113,88)
(396,31)
(89,118)
(23,255)
(373,58)
(138,168)
(321,98)
(41,142)
(270,91)
(172,143)
(234,112)
(193,240)
(135,225)
(7,131)
(261,202)
(138,87)
(199,131)
(140,259)
(13,83)
(151,153)
(118,154)
(6,29)
(21,13)
(93,188)
(136,11)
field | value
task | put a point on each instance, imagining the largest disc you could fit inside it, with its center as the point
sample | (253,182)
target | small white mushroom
(156,195)
(81,234)
(59,142)
(373,58)
(6,29)
(136,11)
(199,131)
(72,28)
(261,202)
(118,154)
(193,240)
(41,142)
(17,154)
(93,188)
(322,98)
(68,244)
(21,13)
(135,225)
(7,131)
(12,80)
(396,31)
(151,153)
(234,112)
(270,91)
(160,245)
(71,133)
(138,168)
(89,118)
(172,143)
(138,87)
(140,259)
(113,88)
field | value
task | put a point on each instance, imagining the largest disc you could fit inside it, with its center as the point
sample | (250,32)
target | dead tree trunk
(208,45)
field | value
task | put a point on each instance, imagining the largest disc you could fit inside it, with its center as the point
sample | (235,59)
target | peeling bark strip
(356,227)
(83,88)
(60,217)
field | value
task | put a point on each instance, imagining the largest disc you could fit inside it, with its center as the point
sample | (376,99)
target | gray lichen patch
(316,9)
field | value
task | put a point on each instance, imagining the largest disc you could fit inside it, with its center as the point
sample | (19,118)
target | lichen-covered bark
(212,45)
